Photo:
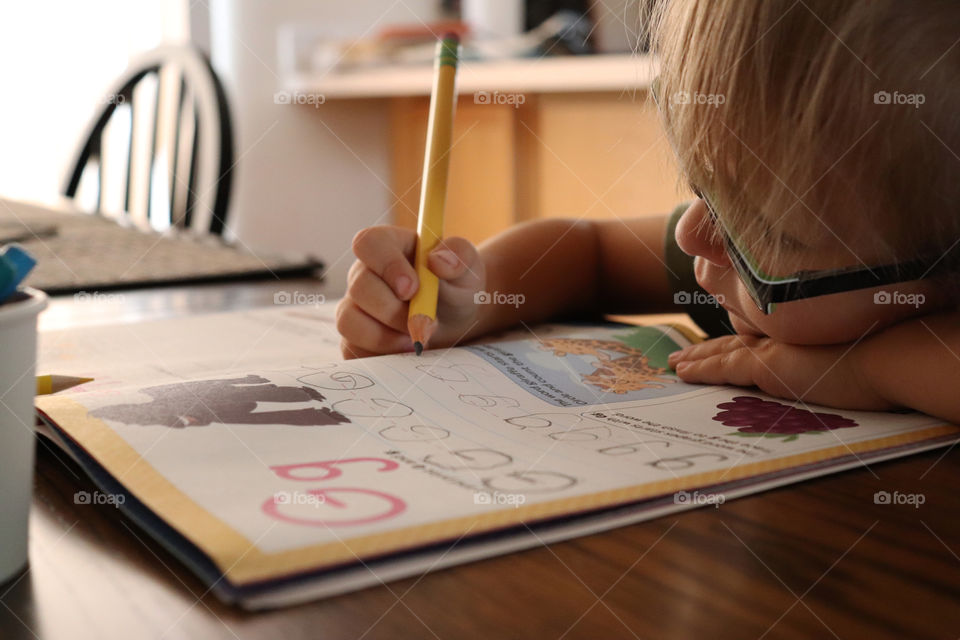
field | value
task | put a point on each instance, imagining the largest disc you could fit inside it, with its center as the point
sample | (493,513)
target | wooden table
(819,559)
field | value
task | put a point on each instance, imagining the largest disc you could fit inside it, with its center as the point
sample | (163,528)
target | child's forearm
(538,270)
(916,364)
(555,268)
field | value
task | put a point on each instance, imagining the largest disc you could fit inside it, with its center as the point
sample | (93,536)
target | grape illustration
(758,417)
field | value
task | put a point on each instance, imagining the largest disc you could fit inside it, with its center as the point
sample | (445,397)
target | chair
(178,113)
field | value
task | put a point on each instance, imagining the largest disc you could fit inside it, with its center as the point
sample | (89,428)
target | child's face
(835,318)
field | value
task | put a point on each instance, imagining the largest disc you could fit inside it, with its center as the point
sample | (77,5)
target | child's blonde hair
(815,109)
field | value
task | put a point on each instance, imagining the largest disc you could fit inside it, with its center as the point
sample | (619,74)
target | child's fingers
(730,367)
(456,261)
(363,331)
(712,347)
(387,252)
(369,292)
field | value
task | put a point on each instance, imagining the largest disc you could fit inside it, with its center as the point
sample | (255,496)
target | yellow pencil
(422,318)
(52,384)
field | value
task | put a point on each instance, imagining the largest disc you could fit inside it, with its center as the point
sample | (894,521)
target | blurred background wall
(323,172)
(535,136)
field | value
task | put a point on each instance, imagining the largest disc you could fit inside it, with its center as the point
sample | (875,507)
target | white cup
(18,385)
(493,19)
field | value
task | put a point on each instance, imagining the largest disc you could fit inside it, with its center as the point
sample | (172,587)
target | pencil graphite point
(421,329)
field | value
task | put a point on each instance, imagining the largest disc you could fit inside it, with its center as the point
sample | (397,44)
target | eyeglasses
(766,290)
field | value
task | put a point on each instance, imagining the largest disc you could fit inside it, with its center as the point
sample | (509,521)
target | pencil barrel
(433,190)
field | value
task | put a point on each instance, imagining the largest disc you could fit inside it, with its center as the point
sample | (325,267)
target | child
(821,139)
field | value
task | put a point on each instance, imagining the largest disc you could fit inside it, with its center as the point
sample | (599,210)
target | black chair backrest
(192,127)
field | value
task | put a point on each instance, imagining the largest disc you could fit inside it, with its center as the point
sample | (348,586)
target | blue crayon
(15,264)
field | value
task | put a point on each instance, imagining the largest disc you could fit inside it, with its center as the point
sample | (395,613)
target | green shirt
(713,319)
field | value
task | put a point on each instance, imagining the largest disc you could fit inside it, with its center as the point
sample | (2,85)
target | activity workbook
(279,473)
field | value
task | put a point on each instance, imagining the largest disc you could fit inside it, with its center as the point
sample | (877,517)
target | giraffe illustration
(585,347)
(630,372)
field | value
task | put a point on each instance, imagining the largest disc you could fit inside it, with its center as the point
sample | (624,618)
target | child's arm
(914,364)
(539,270)
(570,268)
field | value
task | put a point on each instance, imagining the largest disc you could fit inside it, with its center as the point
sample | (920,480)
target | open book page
(274,459)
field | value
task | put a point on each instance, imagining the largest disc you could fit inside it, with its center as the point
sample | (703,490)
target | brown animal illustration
(226,401)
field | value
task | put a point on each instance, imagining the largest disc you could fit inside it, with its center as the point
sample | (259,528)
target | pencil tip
(420,327)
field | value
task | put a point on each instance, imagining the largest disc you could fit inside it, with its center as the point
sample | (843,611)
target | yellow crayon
(52,384)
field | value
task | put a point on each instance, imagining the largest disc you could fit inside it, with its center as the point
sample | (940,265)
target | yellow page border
(242,563)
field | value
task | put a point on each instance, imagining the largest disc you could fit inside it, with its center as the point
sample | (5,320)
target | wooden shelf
(591,73)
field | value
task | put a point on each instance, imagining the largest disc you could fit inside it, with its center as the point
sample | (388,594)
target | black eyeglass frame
(766,291)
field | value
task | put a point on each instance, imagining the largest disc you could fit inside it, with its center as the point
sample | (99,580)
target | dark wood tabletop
(819,559)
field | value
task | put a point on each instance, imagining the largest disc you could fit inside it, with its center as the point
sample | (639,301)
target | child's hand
(372,317)
(913,364)
(830,375)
